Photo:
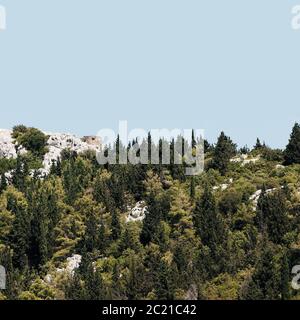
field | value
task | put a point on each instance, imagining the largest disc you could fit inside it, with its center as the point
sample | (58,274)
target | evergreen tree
(272,215)
(91,240)
(156,211)
(74,289)
(285,279)
(132,285)
(115,225)
(192,188)
(164,285)
(292,151)
(17,204)
(258,145)
(194,142)
(225,149)
(266,280)
(207,220)
(94,284)
(210,227)
(3,183)
(12,288)
(39,246)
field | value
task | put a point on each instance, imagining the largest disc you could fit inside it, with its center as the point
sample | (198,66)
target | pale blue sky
(79,66)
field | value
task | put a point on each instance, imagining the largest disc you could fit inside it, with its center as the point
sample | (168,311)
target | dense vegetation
(203,237)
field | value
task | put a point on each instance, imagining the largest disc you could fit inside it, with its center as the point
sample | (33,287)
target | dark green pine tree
(71,181)
(115,225)
(207,221)
(20,173)
(74,289)
(149,142)
(39,246)
(91,237)
(156,211)
(194,142)
(292,151)
(192,188)
(12,288)
(164,287)
(102,239)
(271,216)
(132,285)
(53,215)
(3,183)
(225,149)
(116,285)
(258,145)
(285,277)
(265,282)
(102,192)
(94,284)
(207,146)
(21,232)
(211,229)
(55,168)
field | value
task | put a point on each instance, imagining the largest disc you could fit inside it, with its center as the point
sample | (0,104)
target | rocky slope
(56,143)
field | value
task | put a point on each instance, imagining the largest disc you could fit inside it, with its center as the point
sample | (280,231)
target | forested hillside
(90,231)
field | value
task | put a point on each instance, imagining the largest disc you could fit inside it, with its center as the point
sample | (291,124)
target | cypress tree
(207,221)
(292,151)
(21,229)
(210,227)
(115,225)
(285,279)
(192,188)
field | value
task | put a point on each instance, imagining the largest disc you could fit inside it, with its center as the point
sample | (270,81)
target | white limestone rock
(57,142)
(73,263)
(255,197)
(7,147)
(223,186)
(244,159)
(137,213)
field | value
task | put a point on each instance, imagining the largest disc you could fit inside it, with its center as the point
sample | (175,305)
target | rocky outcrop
(244,159)
(56,143)
(73,263)
(7,146)
(255,197)
(137,213)
(223,186)
(92,140)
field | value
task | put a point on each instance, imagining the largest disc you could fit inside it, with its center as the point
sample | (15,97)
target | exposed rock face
(255,197)
(92,140)
(137,213)
(73,263)
(7,146)
(244,159)
(57,142)
(223,186)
